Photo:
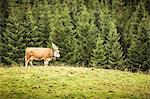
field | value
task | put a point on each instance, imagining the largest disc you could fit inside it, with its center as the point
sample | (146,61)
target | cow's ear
(54,46)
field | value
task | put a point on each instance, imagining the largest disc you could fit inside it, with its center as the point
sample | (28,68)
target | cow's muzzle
(56,54)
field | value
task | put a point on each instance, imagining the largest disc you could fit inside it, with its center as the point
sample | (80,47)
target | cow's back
(39,53)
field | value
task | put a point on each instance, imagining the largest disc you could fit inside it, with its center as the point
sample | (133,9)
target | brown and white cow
(46,54)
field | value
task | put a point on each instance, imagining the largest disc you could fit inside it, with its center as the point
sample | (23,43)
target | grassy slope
(72,82)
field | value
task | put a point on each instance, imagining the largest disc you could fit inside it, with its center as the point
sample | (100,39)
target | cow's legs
(45,62)
(31,59)
(31,63)
(26,61)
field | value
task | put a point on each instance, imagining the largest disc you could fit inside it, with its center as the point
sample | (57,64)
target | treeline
(111,34)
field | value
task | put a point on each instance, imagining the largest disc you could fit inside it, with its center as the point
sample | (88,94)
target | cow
(46,54)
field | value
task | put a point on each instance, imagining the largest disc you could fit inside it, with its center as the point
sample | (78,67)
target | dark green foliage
(62,33)
(102,33)
(3,14)
(35,26)
(42,13)
(113,47)
(86,32)
(108,52)
(138,53)
(32,36)
(99,57)
(13,38)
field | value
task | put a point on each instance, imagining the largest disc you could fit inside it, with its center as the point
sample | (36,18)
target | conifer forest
(110,34)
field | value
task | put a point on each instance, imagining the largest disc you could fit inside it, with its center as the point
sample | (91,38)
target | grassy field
(59,82)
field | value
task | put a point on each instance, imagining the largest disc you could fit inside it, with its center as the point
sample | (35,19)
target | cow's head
(56,50)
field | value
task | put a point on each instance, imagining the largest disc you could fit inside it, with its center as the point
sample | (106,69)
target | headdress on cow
(54,46)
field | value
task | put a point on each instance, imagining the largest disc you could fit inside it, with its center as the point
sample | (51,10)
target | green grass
(59,82)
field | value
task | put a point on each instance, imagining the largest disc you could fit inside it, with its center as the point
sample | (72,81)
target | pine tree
(92,5)
(42,22)
(99,53)
(62,33)
(32,33)
(121,14)
(1,23)
(138,53)
(113,47)
(13,41)
(112,50)
(99,57)
(86,32)
(103,20)
(3,14)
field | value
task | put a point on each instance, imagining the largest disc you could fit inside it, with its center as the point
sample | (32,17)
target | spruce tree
(138,53)
(113,54)
(1,23)
(113,47)
(86,32)
(3,15)
(13,37)
(43,15)
(32,34)
(121,14)
(62,33)
(98,58)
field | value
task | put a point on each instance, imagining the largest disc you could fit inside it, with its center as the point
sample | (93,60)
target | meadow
(66,82)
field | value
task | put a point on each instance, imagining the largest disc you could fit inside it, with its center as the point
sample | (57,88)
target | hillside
(71,82)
